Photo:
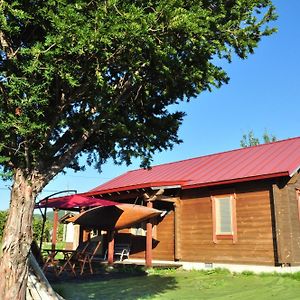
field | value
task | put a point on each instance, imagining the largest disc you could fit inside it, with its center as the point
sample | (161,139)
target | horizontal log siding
(165,236)
(163,244)
(287,221)
(254,229)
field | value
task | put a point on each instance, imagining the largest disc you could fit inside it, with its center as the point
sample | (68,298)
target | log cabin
(236,207)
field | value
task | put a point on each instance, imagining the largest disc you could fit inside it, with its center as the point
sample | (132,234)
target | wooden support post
(177,233)
(85,235)
(81,230)
(110,248)
(54,230)
(148,257)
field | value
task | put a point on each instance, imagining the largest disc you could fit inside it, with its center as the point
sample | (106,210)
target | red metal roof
(271,160)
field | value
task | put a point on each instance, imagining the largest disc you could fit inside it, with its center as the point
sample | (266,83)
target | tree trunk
(17,236)
(38,287)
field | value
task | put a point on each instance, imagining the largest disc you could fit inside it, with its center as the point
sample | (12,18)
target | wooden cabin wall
(254,227)
(165,237)
(163,240)
(287,220)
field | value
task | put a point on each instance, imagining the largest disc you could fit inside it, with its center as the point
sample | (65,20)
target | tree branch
(69,154)
(6,45)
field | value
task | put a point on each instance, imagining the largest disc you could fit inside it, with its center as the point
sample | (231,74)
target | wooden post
(81,231)
(148,257)
(54,230)
(110,248)
(177,235)
(85,235)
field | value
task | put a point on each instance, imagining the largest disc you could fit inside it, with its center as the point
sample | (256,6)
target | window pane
(224,215)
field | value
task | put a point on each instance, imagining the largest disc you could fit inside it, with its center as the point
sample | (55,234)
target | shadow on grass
(127,287)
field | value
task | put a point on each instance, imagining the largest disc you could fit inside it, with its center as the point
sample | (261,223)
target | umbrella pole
(44,215)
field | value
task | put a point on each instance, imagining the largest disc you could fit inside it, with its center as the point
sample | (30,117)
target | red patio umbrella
(70,202)
(74,201)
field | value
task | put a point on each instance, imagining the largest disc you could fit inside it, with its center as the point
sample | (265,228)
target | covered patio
(104,216)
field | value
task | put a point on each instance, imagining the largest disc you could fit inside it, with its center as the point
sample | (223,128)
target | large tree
(97,78)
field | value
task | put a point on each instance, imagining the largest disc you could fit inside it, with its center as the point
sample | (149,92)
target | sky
(263,95)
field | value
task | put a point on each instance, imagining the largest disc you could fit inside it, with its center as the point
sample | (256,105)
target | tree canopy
(98,77)
(249,139)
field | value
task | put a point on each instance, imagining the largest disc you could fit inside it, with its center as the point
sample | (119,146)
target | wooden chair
(89,256)
(121,250)
(71,258)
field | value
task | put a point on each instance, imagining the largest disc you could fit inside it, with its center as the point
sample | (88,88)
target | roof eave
(236,180)
(151,185)
(184,185)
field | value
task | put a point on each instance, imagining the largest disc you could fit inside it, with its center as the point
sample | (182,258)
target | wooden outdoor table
(52,261)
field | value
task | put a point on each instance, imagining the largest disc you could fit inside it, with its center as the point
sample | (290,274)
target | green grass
(59,245)
(170,284)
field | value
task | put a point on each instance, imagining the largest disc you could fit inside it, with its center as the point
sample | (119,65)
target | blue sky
(263,94)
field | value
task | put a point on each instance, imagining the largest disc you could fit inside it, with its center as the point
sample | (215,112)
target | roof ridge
(213,154)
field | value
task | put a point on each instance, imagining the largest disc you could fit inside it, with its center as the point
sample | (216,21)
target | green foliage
(37,228)
(3,218)
(249,139)
(97,77)
(247,273)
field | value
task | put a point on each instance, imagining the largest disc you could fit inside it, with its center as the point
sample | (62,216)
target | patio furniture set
(74,261)
(80,259)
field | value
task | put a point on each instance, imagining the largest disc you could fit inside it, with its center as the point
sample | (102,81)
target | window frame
(140,229)
(218,235)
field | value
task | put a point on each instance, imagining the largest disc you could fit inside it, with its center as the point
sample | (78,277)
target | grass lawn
(178,284)
(59,245)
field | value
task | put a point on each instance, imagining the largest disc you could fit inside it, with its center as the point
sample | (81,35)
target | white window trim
(217,235)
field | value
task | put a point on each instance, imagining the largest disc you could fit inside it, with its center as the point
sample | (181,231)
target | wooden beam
(85,235)
(146,196)
(153,197)
(54,230)
(168,199)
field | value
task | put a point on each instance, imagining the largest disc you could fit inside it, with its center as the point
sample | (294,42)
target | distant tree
(98,78)
(249,139)
(269,138)
(3,218)
(37,229)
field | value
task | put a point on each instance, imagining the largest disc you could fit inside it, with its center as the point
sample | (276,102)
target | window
(139,229)
(224,217)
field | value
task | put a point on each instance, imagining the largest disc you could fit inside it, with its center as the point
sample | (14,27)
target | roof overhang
(236,180)
(146,185)
(166,187)
(184,185)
